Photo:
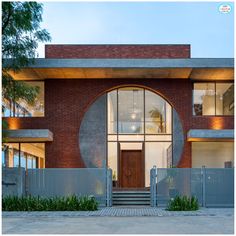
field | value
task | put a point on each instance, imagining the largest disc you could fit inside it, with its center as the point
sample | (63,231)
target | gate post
(109,187)
(153,186)
(203,186)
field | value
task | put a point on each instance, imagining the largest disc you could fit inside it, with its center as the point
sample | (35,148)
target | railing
(51,182)
(213,187)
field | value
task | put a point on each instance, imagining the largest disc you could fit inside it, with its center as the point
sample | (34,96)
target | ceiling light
(133,116)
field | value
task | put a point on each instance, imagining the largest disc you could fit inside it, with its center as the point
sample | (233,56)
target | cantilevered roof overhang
(198,135)
(190,68)
(29,135)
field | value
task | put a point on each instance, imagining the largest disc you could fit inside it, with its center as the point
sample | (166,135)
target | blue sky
(200,24)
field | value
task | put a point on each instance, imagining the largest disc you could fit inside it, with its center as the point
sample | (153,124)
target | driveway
(205,221)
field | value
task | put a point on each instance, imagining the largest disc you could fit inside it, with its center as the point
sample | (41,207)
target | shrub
(183,203)
(88,204)
(29,203)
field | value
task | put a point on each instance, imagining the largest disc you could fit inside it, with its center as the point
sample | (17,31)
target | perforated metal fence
(51,182)
(219,187)
(212,187)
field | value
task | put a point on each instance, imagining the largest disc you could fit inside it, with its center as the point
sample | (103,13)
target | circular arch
(124,86)
(141,87)
(94,120)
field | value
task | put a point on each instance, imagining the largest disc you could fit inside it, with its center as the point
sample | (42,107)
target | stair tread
(127,192)
(133,203)
(130,195)
(131,199)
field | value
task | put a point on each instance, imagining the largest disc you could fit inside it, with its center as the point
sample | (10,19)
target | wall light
(217,123)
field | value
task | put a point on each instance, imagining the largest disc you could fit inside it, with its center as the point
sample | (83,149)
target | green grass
(183,203)
(29,203)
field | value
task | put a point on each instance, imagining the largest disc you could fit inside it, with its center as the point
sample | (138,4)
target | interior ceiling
(131,100)
(92,73)
(221,88)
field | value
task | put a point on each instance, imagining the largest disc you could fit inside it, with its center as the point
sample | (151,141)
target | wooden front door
(131,174)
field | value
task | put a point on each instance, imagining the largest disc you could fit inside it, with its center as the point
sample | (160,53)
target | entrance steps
(131,198)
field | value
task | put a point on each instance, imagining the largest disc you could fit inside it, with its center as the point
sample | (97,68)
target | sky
(200,24)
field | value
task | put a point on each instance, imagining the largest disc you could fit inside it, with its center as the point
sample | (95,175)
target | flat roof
(134,63)
(191,68)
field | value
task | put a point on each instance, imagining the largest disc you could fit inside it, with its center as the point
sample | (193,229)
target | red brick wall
(117,51)
(67,100)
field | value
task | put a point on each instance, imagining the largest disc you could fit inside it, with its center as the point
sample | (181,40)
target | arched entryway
(131,129)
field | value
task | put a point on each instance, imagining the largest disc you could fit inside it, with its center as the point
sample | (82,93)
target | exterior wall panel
(117,51)
(67,100)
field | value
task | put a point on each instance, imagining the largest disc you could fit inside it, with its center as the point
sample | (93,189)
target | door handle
(128,173)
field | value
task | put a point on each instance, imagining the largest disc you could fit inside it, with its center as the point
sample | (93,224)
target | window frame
(26,155)
(144,134)
(15,104)
(213,82)
(117,133)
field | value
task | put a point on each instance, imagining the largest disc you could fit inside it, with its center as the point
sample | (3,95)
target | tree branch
(8,19)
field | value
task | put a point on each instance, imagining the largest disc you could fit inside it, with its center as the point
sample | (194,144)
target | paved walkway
(124,221)
(124,211)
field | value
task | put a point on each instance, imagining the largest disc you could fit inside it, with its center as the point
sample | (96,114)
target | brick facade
(117,51)
(67,100)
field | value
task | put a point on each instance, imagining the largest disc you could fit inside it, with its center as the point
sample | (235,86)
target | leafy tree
(21,33)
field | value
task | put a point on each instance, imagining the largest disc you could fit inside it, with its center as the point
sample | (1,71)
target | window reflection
(21,108)
(204,99)
(16,160)
(224,99)
(23,159)
(131,110)
(144,120)
(112,112)
(26,155)
(213,99)
(129,104)
(157,112)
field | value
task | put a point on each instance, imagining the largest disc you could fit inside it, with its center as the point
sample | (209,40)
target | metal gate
(52,182)
(213,187)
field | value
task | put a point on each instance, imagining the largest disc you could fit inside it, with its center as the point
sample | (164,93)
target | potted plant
(114,179)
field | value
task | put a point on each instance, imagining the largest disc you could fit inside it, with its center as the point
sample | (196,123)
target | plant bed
(183,203)
(29,203)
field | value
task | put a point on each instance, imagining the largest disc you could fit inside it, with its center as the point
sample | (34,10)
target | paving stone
(122,211)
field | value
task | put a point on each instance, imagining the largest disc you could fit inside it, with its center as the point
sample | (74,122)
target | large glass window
(3,158)
(157,114)
(23,159)
(138,119)
(224,99)
(212,154)
(137,111)
(21,108)
(10,154)
(113,159)
(16,158)
(26,155)
(112,112)
(213,99)
(131,112)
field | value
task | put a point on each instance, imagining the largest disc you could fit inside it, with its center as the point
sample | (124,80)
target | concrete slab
(210,221)
(29,135)
(210,135)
